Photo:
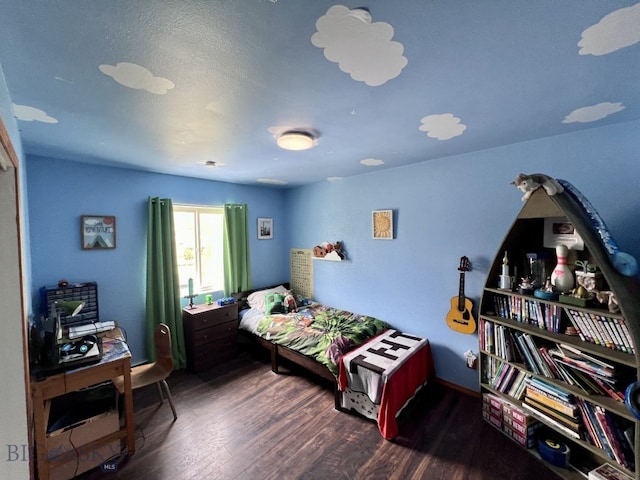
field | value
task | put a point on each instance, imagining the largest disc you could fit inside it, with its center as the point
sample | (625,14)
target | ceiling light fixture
(296,140)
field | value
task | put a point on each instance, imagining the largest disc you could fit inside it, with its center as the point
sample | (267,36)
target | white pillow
(257,299)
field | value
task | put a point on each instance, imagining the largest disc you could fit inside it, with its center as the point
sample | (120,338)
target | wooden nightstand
(210,334)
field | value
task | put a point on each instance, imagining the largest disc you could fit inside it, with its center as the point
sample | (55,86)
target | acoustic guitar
(460,317)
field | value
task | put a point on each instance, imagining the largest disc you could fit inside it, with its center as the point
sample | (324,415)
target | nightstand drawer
(219,331)
(204,316)
(213,354)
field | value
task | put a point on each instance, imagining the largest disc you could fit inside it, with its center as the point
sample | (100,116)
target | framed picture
(382,224)
(98,232)
(557,231)
(265,228)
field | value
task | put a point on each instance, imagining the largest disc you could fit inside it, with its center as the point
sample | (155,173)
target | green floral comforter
(321,332)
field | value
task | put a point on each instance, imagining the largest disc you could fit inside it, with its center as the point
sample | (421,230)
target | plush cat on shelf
(530,183)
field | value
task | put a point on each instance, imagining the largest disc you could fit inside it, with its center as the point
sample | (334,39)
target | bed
(317,337)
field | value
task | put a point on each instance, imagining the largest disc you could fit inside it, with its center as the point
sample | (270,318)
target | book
(505,379)
(562,407)
(608,472)
(569,348)
(543,368)
(519,392)
(618,428)
(544,351)
(597,335)
(624,335)
(601,334)
(571,422)
(613,333)
(583,364)
(551,389)
(609,389)
(528,359)
(520,377)
(551,421)
(591,434)
(506,386)
(625,330)
(607,428)
(597,426)
(582,464)
(502,371)
(576,320)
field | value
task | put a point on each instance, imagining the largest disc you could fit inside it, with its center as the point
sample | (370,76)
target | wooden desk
(115,362)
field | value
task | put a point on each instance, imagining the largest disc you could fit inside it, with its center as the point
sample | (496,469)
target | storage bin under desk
(70,450)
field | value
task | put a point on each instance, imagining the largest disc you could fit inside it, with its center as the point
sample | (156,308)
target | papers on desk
(113,349)
(90,329)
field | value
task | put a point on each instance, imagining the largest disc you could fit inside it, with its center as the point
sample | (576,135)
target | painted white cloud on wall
(32,114)
(593,112)
(615,31)
(363,49)
(137,77)
(443,126)
(371,162)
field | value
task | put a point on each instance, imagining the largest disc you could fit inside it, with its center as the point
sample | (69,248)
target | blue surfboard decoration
(623,262)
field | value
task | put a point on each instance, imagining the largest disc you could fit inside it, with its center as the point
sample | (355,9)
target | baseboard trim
(457,387)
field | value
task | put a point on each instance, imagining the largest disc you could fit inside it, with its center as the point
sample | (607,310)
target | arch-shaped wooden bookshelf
(507,317)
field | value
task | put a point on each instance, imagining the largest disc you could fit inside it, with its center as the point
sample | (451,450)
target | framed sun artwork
(382,224)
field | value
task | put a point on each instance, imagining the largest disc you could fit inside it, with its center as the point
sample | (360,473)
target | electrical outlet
(472,359)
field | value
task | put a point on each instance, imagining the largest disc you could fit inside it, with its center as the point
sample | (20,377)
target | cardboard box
(492,400)
(519,427)
(520,439)
(495,421)
(524,436)
(518,415)
(64,446)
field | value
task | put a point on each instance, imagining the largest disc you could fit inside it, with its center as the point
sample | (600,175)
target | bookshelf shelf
(570,386)
(601,400)
(618,357)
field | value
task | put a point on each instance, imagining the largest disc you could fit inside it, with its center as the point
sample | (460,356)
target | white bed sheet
(250,318)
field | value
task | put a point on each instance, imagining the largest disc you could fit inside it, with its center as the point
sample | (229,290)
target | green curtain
(163,284)
(237,268)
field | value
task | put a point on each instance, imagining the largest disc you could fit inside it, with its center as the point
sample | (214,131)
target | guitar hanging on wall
(460,318)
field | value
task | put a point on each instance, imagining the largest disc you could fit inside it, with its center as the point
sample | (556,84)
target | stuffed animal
(339,249)
(530,183)
(610,299)
(332,250)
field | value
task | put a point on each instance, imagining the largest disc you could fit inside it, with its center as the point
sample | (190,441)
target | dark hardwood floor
(240,421)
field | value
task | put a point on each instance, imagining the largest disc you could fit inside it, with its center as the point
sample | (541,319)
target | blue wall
(443,210)
(61,191)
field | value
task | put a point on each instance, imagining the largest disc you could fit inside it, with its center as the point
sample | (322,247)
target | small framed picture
(382,224)
(98,232)
(559,231)
(265,228)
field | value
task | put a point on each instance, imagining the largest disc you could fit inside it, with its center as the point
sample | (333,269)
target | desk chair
(157,372)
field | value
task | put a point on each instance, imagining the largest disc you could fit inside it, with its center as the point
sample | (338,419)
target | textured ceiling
(166,86)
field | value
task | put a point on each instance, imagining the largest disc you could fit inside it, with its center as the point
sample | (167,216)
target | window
(199,238)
